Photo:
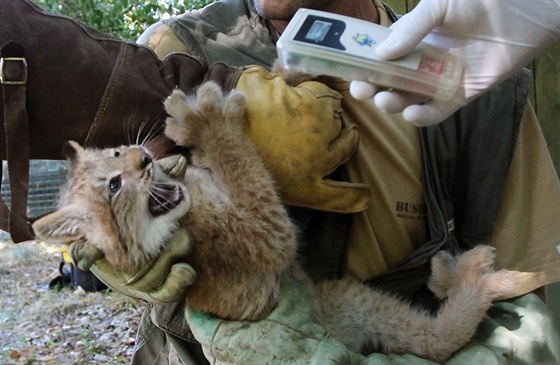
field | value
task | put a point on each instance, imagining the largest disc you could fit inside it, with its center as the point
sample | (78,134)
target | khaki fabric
(388,159)
(527,233)
(384,17)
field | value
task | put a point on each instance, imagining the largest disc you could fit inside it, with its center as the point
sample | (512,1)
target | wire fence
(45,181)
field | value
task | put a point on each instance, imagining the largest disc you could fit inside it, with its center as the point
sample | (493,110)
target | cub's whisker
(155,129)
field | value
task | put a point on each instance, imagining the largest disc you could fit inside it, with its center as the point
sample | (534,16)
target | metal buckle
(4,61)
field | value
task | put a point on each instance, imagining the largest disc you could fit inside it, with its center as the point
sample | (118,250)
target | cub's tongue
(163,198)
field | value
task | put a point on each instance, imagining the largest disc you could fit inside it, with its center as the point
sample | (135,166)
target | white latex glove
(495,39)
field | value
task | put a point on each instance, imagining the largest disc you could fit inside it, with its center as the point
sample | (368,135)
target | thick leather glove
(493,38)
(163,281)
(299,134)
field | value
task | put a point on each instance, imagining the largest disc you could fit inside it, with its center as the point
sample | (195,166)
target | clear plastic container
(322,43)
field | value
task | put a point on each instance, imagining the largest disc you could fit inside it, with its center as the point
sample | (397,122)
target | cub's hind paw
(498,285)
(478,260)
(444,274)
(476,269)
(450,272)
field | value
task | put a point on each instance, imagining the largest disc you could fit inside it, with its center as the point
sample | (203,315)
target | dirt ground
(41,326)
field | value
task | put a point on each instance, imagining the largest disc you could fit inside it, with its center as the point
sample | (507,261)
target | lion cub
(122,202)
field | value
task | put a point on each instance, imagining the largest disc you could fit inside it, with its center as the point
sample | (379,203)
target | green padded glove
(289,335)
(521,330)
(165,280)
(381,359)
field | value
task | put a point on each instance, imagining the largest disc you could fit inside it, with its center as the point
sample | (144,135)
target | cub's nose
(138,157)
(145,159)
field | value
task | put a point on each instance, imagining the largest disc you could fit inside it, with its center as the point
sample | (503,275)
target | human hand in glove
(494,38)
(298,132)
(164,281)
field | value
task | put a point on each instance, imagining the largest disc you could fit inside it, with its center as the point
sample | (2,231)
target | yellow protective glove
(298,131)
(163,281)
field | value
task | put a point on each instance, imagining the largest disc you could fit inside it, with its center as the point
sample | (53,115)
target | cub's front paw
(221,111)
(209,113)
(183,125)
(178,105)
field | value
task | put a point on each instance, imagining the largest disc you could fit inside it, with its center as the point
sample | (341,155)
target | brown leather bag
(61,80)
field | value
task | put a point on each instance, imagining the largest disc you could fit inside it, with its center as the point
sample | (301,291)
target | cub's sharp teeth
(164,198)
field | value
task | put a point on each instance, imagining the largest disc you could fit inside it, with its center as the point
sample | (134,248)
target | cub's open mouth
(164,198)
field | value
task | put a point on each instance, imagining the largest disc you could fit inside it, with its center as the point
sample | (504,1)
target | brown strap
(13,79)
(4,212)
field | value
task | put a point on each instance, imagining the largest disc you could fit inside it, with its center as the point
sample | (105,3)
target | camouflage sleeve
(162,40)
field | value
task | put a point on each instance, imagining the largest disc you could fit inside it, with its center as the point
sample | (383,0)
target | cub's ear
(62,226)
(72,151)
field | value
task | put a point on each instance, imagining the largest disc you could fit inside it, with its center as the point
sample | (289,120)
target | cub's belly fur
(244,241)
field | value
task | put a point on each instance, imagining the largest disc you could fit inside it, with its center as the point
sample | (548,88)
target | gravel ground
(41,326)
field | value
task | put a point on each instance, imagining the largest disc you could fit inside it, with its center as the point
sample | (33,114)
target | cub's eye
(115,185)
(117,153)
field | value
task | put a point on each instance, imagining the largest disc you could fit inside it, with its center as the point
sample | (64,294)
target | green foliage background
(122,18)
